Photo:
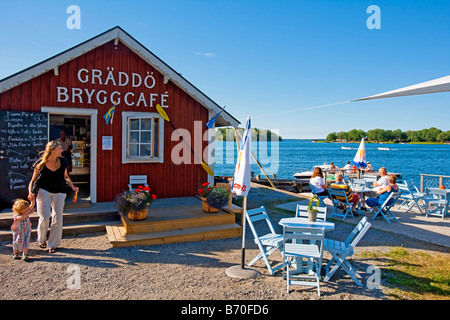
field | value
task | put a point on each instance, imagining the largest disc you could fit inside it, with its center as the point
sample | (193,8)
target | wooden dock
(171,224)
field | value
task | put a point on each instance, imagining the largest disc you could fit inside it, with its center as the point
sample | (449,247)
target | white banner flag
(241,179)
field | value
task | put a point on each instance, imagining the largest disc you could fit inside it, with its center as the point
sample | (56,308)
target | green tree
(332,136)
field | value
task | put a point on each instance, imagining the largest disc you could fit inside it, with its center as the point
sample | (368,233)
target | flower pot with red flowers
(213,197)
(134,204)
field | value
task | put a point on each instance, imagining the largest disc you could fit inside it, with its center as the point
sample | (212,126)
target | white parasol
(360,158)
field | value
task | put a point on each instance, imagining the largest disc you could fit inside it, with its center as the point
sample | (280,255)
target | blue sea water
(286,157)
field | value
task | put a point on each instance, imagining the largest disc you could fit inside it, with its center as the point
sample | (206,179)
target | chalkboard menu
(22,136)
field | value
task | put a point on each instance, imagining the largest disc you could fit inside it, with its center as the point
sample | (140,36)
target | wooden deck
(174,220)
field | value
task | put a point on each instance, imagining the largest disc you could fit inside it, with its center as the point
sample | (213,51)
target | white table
(441,197)
(360,191)
(305,223)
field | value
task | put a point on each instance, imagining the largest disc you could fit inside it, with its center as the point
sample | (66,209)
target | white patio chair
(339,197)
(358,183)
(437,198)
(341,251)
(385,209)
(137,180)
(302,212)
(369,180)
(267,243)
(321,198)
(294,249)
(410,196)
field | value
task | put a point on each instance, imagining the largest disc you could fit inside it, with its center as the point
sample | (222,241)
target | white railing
(433,181)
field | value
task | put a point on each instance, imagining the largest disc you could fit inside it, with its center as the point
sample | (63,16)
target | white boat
(347,148)
(307,174)
(384,148)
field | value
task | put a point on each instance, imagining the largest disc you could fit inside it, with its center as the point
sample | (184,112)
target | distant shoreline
(387,142)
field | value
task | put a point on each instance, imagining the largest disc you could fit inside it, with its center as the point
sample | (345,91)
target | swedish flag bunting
(109,116)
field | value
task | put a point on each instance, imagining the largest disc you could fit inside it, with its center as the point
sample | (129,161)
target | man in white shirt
(66,144)
(383,181)
(377,185)
(348,167)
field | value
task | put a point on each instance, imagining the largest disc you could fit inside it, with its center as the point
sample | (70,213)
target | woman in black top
(51,169)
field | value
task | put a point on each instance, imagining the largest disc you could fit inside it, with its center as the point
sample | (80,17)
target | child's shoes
(25,257)
(16,256)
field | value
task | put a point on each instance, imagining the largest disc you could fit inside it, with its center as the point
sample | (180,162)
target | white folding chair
(358,183)
(294,249)
(137,180)
(302,212)
(385,209)
(321,198)
(341,251)
(410,196)
(267,243)
(437,198)
(369,180)
(339,197)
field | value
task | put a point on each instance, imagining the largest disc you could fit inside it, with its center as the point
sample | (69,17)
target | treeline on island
(227,134)
(381,135)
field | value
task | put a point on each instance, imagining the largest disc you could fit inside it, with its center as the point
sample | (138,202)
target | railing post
(421,183)
(441,181)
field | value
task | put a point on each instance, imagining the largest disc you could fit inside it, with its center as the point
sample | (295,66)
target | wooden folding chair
(341,251)
(339,197)
(302,212)
(385,209)
(294,249)
(267,243)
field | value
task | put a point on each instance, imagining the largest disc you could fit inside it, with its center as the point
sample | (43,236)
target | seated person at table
(384,193)
(340,185)
(377,185)
(317,183)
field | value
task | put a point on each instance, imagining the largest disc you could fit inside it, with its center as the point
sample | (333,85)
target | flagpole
(244,218)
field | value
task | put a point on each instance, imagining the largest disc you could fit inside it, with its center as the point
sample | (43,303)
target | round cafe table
(361,191)
(305,223)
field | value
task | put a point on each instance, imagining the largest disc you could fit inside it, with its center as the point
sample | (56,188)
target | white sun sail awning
(432,86)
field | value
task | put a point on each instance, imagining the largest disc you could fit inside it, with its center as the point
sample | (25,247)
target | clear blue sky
(262,58)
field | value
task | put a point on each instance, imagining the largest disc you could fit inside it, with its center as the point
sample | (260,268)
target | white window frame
(125,117)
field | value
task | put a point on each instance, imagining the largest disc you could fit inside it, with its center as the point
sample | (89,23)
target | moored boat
(384,148)
(307,174)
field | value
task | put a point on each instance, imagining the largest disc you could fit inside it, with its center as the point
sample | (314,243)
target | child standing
(21,228)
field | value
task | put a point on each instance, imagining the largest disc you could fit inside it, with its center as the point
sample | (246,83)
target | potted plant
(312,208)
(213,197)
(135,203)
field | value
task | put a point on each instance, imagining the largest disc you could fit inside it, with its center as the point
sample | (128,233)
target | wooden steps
(174,224)
(119,238)
(90,219)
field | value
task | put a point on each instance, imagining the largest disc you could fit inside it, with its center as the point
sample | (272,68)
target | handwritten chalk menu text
(22,136)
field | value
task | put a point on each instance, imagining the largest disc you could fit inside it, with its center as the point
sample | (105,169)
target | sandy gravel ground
(87,267)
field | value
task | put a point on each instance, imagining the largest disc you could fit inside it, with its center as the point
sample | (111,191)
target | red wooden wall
(165,179)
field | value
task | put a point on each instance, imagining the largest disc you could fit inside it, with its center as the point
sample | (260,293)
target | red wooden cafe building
(75,91)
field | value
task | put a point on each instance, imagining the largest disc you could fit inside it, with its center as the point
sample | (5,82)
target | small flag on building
(210,123)
(109,116)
